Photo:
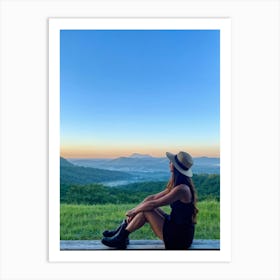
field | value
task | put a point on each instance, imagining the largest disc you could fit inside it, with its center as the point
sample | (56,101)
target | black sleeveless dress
(178,228)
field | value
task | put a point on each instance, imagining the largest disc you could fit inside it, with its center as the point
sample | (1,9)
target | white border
(24,138)
(224,254)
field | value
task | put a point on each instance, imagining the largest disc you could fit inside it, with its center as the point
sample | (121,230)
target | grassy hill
(87,222)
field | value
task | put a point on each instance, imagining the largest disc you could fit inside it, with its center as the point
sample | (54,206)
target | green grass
(87,222)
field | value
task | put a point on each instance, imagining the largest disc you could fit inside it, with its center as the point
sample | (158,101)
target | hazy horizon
(84,152)
(163,156)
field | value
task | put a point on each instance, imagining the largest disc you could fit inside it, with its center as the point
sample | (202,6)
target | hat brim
(171,157)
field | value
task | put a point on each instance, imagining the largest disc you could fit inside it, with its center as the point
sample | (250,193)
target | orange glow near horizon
(103,152)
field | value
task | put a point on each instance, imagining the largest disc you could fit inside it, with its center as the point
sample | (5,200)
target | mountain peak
(137,155)
(65,162)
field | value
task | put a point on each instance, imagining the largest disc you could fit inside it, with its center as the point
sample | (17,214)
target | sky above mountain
(139,91)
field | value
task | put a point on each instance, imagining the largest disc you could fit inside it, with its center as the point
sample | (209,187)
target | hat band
(180,164)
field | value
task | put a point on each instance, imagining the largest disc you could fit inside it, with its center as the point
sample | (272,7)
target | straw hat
(182,162)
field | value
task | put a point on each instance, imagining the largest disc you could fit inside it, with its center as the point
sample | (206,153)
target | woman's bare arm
(175,194)
(156,196)
(147,199)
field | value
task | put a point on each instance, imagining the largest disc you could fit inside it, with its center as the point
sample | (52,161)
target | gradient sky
(144,91)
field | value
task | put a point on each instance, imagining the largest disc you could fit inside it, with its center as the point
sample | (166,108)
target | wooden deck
(80,245)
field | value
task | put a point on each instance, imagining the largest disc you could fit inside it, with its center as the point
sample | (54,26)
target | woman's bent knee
(156,222)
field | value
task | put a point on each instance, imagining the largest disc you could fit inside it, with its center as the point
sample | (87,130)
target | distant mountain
(136,163)
(64,162)
(74,174)
(207,161)
(136,155)
(148,165)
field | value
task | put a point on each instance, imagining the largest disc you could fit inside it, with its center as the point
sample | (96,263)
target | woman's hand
(130,214)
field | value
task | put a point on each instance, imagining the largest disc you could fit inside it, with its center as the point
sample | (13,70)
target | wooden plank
(198,244)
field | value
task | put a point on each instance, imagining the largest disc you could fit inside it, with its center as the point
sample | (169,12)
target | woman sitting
(177,229)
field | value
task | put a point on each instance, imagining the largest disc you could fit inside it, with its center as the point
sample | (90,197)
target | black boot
(110,233)
(119,241)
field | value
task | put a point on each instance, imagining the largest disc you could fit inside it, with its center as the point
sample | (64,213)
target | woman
(176,229)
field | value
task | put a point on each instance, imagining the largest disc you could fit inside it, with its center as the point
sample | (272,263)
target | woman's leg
(136,222)
(158,210)
(155,219)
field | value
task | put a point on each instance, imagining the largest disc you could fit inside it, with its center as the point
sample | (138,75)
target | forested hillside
(207,186)
(71,174)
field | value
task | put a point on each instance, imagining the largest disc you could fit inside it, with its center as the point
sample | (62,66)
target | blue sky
(147,91)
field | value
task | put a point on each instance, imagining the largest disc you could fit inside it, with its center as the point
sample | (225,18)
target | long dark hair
(178,178)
